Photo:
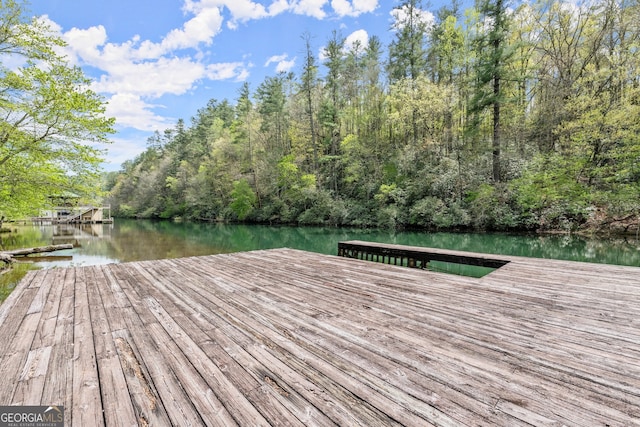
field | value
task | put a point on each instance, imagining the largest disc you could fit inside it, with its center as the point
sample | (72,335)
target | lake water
(134,240)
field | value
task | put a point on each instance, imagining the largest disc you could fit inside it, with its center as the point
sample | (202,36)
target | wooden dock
(414,257)
(291,338)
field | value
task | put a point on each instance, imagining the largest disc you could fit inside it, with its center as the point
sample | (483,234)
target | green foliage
(552,194)
(50,117)
(243,199)
(432,212)
(419,108)
(288,173)
(319,210)
(389,194)
(388,217)
(446,48)
(490,206)
(125,211)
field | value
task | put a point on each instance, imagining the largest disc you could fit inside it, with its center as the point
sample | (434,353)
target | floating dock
(415,257)
(287,337)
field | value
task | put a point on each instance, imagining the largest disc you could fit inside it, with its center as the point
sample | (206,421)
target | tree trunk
(40,249)
(497,42)
(496,130)
(7,259)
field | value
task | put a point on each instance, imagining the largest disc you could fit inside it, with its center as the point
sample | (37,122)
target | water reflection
(131,240)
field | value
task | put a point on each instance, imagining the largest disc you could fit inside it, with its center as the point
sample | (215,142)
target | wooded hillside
(504,116)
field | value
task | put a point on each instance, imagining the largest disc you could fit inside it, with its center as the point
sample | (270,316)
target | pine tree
(493,55)
(407,53)
(309,80)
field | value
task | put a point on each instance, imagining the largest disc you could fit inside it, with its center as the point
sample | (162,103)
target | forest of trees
(501,117)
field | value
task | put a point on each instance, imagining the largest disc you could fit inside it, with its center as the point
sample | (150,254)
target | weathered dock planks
(286,337)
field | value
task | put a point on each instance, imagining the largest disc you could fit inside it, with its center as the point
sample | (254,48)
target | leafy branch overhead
(51,123)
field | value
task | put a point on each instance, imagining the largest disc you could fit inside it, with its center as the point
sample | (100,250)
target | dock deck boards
(287,337)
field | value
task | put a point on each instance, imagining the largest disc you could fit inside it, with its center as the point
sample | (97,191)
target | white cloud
(131,111)
(283,64)
(401,15)
(353,7)
(151,78)
(245,10)
(227,70)
(85,44)
(243,75)
(359,37)
(200,29)
(240,10)
(52,25)
(322,53)
(275,58)
(123,149)
(278,7)
(314,8)
(136,72)
(90,45)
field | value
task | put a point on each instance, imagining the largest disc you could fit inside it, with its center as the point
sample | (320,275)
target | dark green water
(130,240)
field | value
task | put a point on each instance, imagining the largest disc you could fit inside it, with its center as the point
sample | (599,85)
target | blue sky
(156,61)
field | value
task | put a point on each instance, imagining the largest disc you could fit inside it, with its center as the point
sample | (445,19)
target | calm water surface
(135,240)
